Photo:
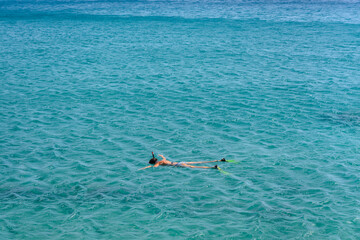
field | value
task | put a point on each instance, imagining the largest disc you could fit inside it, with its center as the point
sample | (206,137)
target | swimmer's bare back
(165,162)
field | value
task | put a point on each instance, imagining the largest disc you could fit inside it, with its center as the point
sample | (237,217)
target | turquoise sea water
(88,89)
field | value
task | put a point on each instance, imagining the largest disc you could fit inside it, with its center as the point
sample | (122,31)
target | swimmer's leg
(203,162)
(190,166)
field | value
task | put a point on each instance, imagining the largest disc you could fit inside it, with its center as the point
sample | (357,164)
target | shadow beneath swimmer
(348,119)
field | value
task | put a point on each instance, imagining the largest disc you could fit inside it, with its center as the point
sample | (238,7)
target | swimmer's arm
(156,165)
(145,167)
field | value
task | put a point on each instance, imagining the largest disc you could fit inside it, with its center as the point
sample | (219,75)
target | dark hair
(153,160)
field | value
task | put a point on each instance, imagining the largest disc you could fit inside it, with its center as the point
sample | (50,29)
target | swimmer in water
(165,162)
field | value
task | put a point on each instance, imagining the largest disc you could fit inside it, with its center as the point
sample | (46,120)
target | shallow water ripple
(85,97)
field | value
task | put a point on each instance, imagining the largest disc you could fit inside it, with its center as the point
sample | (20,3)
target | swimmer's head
(153,160)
